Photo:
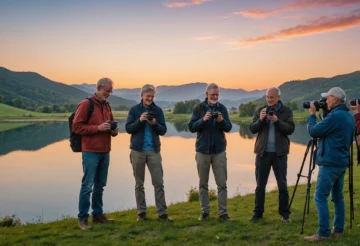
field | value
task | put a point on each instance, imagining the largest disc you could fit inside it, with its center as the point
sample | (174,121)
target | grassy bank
(187,230)
(8,126)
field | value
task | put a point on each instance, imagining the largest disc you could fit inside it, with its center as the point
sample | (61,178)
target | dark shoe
(316,237)
(225,217)
(336,234)
(84,225)
(255,218)
(164,217)
(142,216)
(285,219)
(101,219)
(204,216)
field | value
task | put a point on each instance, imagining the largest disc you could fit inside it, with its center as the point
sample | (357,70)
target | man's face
(148,97)
(331,101)
(272,98)
(105,91)
(213,95)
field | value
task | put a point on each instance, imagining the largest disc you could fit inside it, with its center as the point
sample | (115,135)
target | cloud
(204,38)
(297,5)
(323,24)
(181,4)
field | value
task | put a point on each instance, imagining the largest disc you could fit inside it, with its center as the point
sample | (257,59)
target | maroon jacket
(357,122)
(92,140)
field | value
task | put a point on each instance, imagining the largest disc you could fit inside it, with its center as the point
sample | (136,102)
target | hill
(32,89)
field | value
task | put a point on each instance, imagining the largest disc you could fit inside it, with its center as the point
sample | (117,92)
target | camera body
(113,124)
(321,104)
(270,111)
(214,114)
(353,102)
(151,114)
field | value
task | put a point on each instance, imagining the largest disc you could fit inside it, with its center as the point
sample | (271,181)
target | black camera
(321,104)
(353,102)
(214,114)
(151,114)
(113,124)
(270,111)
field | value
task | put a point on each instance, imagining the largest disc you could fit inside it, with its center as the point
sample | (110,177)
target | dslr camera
(214,114)
(321,104)
(113,124)
(353,102)
(151,114)
(270,111)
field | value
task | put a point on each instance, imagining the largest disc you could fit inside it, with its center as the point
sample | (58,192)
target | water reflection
(44,181)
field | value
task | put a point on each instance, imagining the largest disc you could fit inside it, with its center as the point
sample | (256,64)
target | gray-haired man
(210,120)
(145,122)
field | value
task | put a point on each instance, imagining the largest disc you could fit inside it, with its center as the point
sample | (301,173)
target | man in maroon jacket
(356,111)
(96,145)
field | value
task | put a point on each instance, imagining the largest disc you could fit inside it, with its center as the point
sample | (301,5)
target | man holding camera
(145,122)
(210,120)
(96,144)
(335,133)
(272,123)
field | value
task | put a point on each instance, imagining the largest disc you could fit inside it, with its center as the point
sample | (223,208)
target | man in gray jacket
(273,123)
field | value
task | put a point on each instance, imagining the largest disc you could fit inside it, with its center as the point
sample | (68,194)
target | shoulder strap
(91,109)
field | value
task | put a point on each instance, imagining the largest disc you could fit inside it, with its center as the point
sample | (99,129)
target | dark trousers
(262,171)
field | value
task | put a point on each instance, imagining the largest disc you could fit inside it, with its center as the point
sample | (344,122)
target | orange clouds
(323,24)
(181,4)
(298,5)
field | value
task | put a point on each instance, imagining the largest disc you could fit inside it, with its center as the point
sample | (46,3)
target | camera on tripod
(353,102)
(321,104)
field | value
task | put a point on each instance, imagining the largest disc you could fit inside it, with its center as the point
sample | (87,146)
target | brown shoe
(316,237)
(336,234)
(102,219)
(84,225)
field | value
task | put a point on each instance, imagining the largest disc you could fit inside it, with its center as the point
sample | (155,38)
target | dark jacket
(335,133)
(357,121)
(284,126)
(210,135)
(92,140)
(137,128)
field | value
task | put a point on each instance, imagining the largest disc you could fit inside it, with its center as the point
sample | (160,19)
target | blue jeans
(95,168)
(330,179)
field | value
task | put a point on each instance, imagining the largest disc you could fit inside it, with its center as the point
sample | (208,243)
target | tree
(292,105)
(186,107)
(247,109)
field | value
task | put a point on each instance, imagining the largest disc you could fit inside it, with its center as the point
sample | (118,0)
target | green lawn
(188,230)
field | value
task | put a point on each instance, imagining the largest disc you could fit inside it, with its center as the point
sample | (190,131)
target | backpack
(75,139)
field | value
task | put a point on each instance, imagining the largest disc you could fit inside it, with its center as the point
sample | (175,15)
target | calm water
(40,176)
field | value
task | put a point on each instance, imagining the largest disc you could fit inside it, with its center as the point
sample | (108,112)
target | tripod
(312,146)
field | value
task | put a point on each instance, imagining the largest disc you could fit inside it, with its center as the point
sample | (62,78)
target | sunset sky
(235,43)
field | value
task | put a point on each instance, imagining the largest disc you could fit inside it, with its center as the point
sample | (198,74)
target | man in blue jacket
(145,122)
(335,134)
(210,120)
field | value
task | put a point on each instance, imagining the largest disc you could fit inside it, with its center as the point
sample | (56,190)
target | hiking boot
(141,216)
(316,237)
(285,218)
(101,219)
(164,217)
(225,217)
(255,218)
(204,216)
(84,225)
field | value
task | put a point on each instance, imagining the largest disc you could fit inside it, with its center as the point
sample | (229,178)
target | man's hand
(356,108)
(152,122)
(207,116)
(115,132)
(312,108)
(104,127)
(262,114)
(220,117)
(143,116)
(273,118)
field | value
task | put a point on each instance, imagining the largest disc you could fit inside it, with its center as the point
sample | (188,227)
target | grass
(5,126)
(188,230)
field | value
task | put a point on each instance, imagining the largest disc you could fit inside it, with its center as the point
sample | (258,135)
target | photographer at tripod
(356,110)
(334,133)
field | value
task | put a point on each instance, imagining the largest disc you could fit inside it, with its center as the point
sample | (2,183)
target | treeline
(18,102)
(186,107)
(248,109)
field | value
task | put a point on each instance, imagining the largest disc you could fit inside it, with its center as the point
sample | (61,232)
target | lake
(40,176)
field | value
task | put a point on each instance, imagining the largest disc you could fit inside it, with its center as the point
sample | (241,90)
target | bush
(9,221)
(194,195)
